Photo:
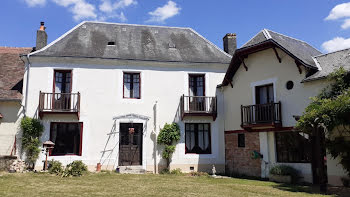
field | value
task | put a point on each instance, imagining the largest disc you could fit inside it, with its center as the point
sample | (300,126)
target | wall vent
(111,43)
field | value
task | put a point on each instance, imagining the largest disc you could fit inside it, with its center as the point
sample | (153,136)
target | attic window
(110,43)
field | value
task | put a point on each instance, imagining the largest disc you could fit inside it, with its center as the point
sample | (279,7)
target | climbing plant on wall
(331,111)
(32,130)
(168,135)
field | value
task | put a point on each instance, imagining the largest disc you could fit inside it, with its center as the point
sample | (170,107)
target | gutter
(27,82)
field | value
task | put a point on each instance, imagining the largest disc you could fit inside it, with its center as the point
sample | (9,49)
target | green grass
(112,184)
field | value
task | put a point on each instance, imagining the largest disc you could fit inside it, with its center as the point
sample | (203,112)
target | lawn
(112,184)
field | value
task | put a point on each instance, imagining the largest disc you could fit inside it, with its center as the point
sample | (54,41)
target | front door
(62,90)
(197,93)
(130,146)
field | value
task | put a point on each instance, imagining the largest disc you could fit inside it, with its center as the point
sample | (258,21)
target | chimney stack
(41,37)
(230,43)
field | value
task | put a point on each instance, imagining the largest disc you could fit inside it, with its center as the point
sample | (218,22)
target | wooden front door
(130,146)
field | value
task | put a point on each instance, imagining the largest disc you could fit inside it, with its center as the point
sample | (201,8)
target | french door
(197,92)
(264,108)
(62,90)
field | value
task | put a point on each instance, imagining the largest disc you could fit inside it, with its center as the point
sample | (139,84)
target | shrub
(284,170)
(55,167)
(164,171)
(32,130)
(176,171)
(199,174)
(168,135)
(76,168)
(345,181)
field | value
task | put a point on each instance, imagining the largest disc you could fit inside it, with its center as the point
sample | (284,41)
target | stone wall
(6,162)
(238,159)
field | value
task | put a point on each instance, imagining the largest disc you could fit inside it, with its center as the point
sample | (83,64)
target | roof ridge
(253,37)
(126,24)
(266,34)
(206,40)
(331,52)
(294,39)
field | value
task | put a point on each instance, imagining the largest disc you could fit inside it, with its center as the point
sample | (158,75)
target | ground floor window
(67,138)
(293,147)
(241,140)
(197,138)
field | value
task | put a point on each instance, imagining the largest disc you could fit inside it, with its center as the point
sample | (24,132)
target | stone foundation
(6,162)
(238,160)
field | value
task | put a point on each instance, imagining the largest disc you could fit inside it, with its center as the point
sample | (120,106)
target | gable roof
(11,72)
(298,48)
(135,42)
(330,62)
(301,51)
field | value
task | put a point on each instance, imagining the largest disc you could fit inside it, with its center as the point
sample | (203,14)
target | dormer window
(111,44)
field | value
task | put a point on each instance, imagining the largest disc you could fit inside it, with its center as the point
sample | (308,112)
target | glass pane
(136,90)
(127,90)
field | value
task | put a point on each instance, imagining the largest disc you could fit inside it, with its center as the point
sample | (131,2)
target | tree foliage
(167,137)
(32,131)
(331,111)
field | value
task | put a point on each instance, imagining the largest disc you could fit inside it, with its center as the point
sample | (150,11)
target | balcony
(59,103)
(261,115)
(198,106)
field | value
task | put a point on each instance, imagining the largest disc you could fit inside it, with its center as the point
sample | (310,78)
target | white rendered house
(103,91)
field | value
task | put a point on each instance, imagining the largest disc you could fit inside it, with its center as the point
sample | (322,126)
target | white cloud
(162,13)
(107,5)
(120,17)
(33,3)
(339,11)
(346,24)
(336,44)
(80,9)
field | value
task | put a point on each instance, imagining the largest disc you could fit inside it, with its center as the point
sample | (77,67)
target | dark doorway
(264,108)
(130,147)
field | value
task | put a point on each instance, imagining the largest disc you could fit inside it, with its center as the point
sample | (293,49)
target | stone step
(131,170)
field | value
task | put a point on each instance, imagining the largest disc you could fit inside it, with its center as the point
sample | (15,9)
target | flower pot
(280,178)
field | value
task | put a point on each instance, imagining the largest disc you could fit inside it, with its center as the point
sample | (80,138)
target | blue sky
(325,24)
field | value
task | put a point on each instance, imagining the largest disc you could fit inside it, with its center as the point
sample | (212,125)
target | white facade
(102,108)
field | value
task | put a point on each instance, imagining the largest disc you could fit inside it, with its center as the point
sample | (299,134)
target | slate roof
(298,48)
(135,42)
(11,72)
(330,62)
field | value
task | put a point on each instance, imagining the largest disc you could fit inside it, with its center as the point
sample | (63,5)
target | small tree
(32,131)
(167,137)
(331,110)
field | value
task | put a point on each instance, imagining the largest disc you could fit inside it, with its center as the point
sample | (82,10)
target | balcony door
(264,109)
(197,92)
(62,90)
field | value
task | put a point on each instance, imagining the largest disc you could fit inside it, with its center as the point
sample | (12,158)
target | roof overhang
(242,53)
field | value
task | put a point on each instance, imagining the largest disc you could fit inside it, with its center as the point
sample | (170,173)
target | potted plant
(283,174)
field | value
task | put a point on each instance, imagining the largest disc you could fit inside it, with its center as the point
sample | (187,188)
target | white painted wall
(101,87)
(264,68)
(9,125)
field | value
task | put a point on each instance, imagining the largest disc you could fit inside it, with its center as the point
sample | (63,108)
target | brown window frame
(131,85)
(196,76)
(257,93)
(196,149)
(292,153)
(62,71)
(81,127)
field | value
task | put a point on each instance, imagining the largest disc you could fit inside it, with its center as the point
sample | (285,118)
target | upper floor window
(131,85)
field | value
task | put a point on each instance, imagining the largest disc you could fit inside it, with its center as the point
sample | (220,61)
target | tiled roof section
(298,48)
(330,62)
(11,71)
(135,42)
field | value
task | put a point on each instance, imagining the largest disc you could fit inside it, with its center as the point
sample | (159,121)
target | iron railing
(269,113)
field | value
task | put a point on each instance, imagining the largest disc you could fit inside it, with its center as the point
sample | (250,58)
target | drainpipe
(27,82)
